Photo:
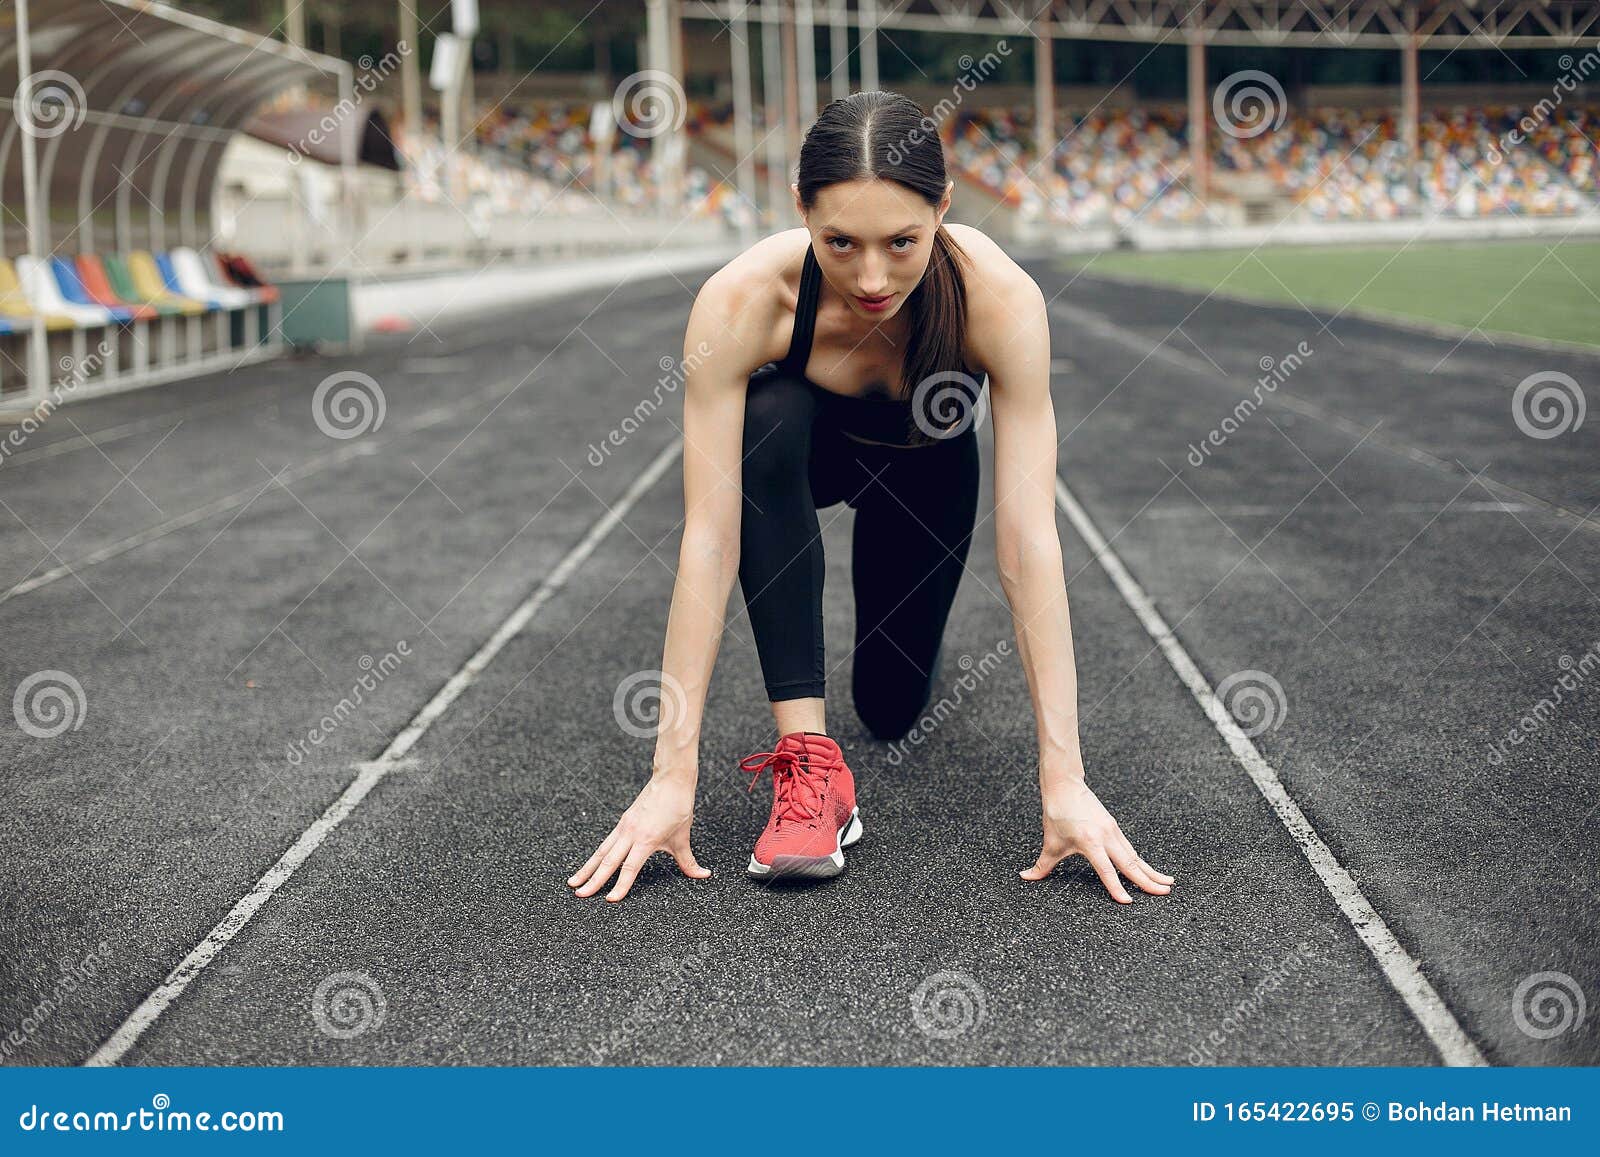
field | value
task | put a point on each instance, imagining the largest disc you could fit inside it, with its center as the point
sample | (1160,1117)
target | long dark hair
(888,136)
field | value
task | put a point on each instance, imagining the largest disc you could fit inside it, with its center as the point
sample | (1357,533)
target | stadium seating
(1329,164)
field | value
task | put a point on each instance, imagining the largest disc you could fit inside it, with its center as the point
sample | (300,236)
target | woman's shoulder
(999,293)
(750,301)
(768,271)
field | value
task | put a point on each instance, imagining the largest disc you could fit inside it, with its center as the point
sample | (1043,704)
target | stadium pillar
(869,44)
(294,32)
(1199,157)
(38,359)
(743,128)
(1410,104)
(1044,86)
(772,97)
(658,59)
(839,51)
(791,81)
(805,39)
(410,74)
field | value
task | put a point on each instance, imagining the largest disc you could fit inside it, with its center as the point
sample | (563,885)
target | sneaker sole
(810,867)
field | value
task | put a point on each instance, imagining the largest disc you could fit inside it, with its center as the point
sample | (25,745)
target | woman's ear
(799,209)
(944,203)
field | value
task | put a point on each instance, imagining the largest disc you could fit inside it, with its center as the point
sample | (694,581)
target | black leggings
(914,507)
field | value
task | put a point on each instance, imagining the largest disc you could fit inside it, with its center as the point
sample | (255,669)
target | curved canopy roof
(130,105)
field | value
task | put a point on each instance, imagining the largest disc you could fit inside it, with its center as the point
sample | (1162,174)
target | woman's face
(873,239)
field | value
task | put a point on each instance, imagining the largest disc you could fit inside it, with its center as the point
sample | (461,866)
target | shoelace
(797,782)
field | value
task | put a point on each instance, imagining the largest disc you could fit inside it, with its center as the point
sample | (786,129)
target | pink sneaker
(814,815)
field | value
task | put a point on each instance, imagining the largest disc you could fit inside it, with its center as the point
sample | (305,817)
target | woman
(843,365)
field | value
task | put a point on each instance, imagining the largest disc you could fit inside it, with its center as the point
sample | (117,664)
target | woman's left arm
(1015,352)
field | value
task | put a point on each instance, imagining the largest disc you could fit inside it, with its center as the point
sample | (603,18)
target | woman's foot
(814,815)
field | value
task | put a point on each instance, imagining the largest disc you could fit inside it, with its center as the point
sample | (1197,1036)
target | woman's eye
(904,243)
(838,244)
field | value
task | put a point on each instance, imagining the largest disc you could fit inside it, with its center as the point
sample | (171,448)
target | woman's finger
(1158,877)
(1046,864)
(687,864)
(593,862)
(630,871)
(1127,861)
(1108,874)
(608,866)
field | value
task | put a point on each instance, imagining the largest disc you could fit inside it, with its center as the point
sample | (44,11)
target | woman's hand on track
(1076,823)
(658,821)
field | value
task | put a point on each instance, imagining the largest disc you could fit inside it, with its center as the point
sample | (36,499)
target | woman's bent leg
(913,529)
(781,561)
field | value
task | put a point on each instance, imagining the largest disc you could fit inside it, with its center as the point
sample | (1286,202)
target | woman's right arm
(724,341)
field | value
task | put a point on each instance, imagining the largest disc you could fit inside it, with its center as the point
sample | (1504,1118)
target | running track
(1358,883)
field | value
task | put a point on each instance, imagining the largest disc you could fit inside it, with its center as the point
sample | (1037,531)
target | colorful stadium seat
(192,280)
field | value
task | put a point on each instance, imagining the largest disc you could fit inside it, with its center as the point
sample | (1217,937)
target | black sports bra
(870,417)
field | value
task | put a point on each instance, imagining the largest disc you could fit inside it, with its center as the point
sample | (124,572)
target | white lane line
(1129,339)
(371,774)
(366,445)
(1402,971)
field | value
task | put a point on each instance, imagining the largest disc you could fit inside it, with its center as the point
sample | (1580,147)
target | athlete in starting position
(841,362)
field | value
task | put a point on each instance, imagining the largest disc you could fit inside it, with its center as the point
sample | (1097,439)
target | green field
(1540,290)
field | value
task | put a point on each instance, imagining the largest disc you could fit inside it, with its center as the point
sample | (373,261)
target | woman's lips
(875,304)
